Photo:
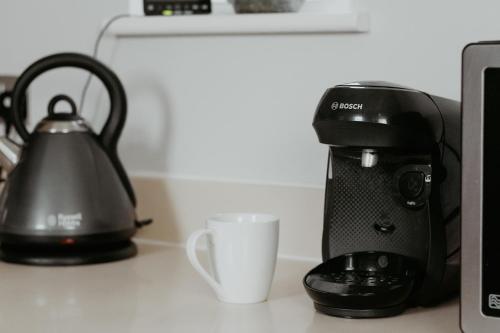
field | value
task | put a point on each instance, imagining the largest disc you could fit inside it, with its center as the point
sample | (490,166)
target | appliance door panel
(480,179)
(490,302)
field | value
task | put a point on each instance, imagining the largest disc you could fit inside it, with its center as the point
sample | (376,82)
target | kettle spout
(9,153)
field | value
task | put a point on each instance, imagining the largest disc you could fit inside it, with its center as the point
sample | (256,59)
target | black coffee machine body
(391,225)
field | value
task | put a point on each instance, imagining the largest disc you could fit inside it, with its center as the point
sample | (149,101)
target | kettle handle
(113,127)
(116,120)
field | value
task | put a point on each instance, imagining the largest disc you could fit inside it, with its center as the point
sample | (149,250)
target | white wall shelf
(247,24)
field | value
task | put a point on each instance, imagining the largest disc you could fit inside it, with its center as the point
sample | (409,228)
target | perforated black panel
(360,198)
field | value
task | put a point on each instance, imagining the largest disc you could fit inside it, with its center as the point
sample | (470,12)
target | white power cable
(95,53)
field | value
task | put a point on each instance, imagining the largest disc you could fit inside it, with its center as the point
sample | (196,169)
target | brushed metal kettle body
(66,182)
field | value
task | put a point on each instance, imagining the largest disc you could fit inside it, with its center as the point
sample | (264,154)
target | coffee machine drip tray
(362,285)
(67,255)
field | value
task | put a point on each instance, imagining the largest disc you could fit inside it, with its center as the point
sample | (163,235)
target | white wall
(241,107)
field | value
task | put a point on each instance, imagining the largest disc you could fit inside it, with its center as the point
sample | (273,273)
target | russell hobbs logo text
(65,221)
(346,106)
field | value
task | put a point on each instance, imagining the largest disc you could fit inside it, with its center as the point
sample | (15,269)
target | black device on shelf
(391,224)
(177,7)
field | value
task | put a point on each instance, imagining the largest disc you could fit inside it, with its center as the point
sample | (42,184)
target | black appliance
(67,198)
(391,223)
(176,7)
(480,299)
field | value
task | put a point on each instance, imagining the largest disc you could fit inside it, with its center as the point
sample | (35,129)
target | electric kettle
(67,198)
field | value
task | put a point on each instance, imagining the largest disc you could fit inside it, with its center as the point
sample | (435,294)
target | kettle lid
(62,122)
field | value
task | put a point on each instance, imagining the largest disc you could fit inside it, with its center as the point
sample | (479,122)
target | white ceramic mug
(242,249)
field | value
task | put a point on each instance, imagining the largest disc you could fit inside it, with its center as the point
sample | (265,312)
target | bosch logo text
(346,106)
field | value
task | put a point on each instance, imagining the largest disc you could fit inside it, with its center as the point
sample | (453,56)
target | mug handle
(193,258)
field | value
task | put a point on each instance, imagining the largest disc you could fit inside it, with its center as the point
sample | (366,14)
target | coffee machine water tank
(391,222)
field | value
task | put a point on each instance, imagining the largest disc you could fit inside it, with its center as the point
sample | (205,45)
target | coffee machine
(480,298)
(391,222)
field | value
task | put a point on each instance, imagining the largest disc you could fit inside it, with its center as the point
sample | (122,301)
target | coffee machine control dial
(412,185)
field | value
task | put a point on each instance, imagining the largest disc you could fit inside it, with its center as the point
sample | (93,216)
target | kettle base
(54,256)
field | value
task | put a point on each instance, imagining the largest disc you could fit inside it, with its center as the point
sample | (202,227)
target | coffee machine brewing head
(369,158)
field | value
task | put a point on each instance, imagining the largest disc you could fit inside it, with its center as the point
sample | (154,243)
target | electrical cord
(95,53)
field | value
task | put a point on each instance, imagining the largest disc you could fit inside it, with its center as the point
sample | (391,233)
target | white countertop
(158,291)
